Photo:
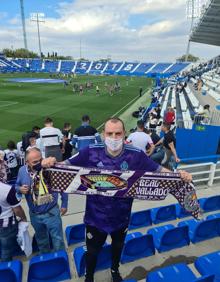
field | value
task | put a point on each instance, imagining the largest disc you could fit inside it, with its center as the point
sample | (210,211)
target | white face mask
(114,144)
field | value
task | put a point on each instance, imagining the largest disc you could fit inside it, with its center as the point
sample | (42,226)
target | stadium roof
(207,30)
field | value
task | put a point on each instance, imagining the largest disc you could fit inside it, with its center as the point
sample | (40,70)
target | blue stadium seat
(169,237)
(132,236)
(176,273)
(103,262)
(140,219)
(130,280)
(202,230)
(209,264)
(139,247)
(215,215)
(49,267)
(75,233)
(11,271)
(210,204)
(181,212)
(163,214)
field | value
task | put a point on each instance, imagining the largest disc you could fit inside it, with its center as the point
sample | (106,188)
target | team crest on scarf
(103,182)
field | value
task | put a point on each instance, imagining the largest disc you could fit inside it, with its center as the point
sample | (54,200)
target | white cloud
(104,29)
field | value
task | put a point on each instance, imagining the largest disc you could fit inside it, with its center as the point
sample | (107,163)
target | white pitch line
(121,109)
(9,104)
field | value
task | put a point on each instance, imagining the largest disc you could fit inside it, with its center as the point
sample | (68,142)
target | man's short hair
(115,120)
(34,149)
(166,125)
(85,118)
(140,124)
(48,120)
(35,128)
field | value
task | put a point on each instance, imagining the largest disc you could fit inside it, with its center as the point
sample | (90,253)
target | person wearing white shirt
(140,139)
(51,139)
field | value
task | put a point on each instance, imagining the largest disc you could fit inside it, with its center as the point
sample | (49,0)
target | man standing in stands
(44,211)
(85,134)
(109,215)
(51,140)
(140,139)
(10,208)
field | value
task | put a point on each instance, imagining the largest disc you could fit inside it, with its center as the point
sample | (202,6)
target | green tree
(191,58)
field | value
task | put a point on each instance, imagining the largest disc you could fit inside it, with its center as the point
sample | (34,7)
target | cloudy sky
(143,30)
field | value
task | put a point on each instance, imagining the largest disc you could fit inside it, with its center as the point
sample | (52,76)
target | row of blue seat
(208,265)
(76,233)
(163,238)
(55,267)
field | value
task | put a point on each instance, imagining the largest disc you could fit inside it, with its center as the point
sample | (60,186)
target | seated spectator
(169,144)
(203,116)
(11,158)
(153,121)
(85,134)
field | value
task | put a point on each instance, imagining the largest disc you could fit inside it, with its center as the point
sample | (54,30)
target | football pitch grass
(24,105)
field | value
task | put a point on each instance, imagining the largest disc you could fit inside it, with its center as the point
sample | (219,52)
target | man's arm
(64,203)
(173,150)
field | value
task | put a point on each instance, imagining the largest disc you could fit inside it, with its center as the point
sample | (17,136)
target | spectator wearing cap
(51,140)
(85,134)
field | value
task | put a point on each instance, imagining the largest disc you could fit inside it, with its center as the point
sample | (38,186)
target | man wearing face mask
(109,215)
(45,214)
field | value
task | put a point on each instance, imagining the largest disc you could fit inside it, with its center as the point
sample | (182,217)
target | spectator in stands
(169,144)
(3,168)
(44,211)
(35,132)
(67,135)
(11,158)
(33,144)
(105,215)
(51,140)
(159,152)
(169,116)
(158,111)
(20,153)
(10,208)
(85,134)
(203,116)
(140,139)
(153,121)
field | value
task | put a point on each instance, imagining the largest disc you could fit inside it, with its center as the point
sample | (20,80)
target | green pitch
(23,105)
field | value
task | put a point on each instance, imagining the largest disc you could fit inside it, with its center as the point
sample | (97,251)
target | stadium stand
(95,68)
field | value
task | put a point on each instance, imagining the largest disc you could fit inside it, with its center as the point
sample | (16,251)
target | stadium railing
(203,169)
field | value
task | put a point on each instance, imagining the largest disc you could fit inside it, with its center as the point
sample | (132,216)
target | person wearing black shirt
(67,137)
(169,144)
(85,134)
